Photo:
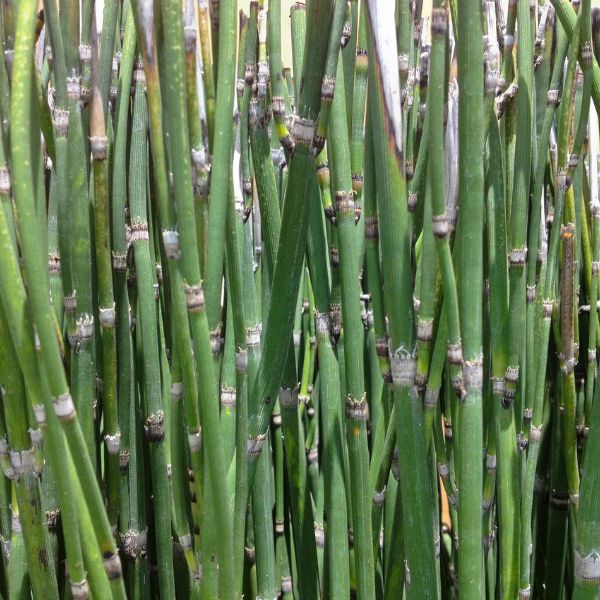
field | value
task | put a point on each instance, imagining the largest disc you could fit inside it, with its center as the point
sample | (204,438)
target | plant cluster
(326,329)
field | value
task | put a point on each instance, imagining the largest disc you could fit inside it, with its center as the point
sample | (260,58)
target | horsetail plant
(318,329)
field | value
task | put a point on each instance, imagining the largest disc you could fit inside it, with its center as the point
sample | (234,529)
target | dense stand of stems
(319,329)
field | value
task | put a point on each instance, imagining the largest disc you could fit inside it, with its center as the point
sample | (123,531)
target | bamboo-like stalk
(518,213)
(106,302)
(470,288)
(228,397)
(125,374)
(567,360)
(281,553)
(206,48)
(355,397)
(135,534)
(6,520)
(505,430)
(81,335)
(221,157)
(154,405)
(179,497)
(107,45)
(246,66)
(236,287)
(262,505)
(330,77)
(586,571)
(335,562)
(439,218)
(586,576)
(298,37)
(336,550)
(387,132)
(276,67)
(16,575)
(200,162)
(558,512)
(301,509)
